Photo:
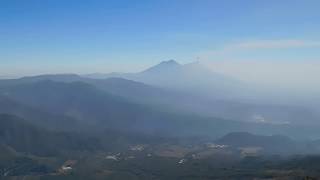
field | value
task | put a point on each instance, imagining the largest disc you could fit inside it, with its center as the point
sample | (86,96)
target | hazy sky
(247,38)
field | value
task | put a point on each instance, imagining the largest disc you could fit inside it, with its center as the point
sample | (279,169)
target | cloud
(256,48)
(272,44)
(291,76)
(295,68)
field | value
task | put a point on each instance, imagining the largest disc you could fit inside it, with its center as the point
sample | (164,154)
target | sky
(252,39)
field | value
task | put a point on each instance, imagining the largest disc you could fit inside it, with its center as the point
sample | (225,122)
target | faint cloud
(294,68)
(257,45)
(274,44)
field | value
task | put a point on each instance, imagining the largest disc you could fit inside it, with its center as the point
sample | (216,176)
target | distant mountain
(164,66)
(76,99)
(40,117)
(195,88)
(87,104)
(27,138)
(116,86)
(181,101)
(30,79)
(192,78)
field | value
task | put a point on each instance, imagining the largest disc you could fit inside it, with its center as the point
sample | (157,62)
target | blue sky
(84,36)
